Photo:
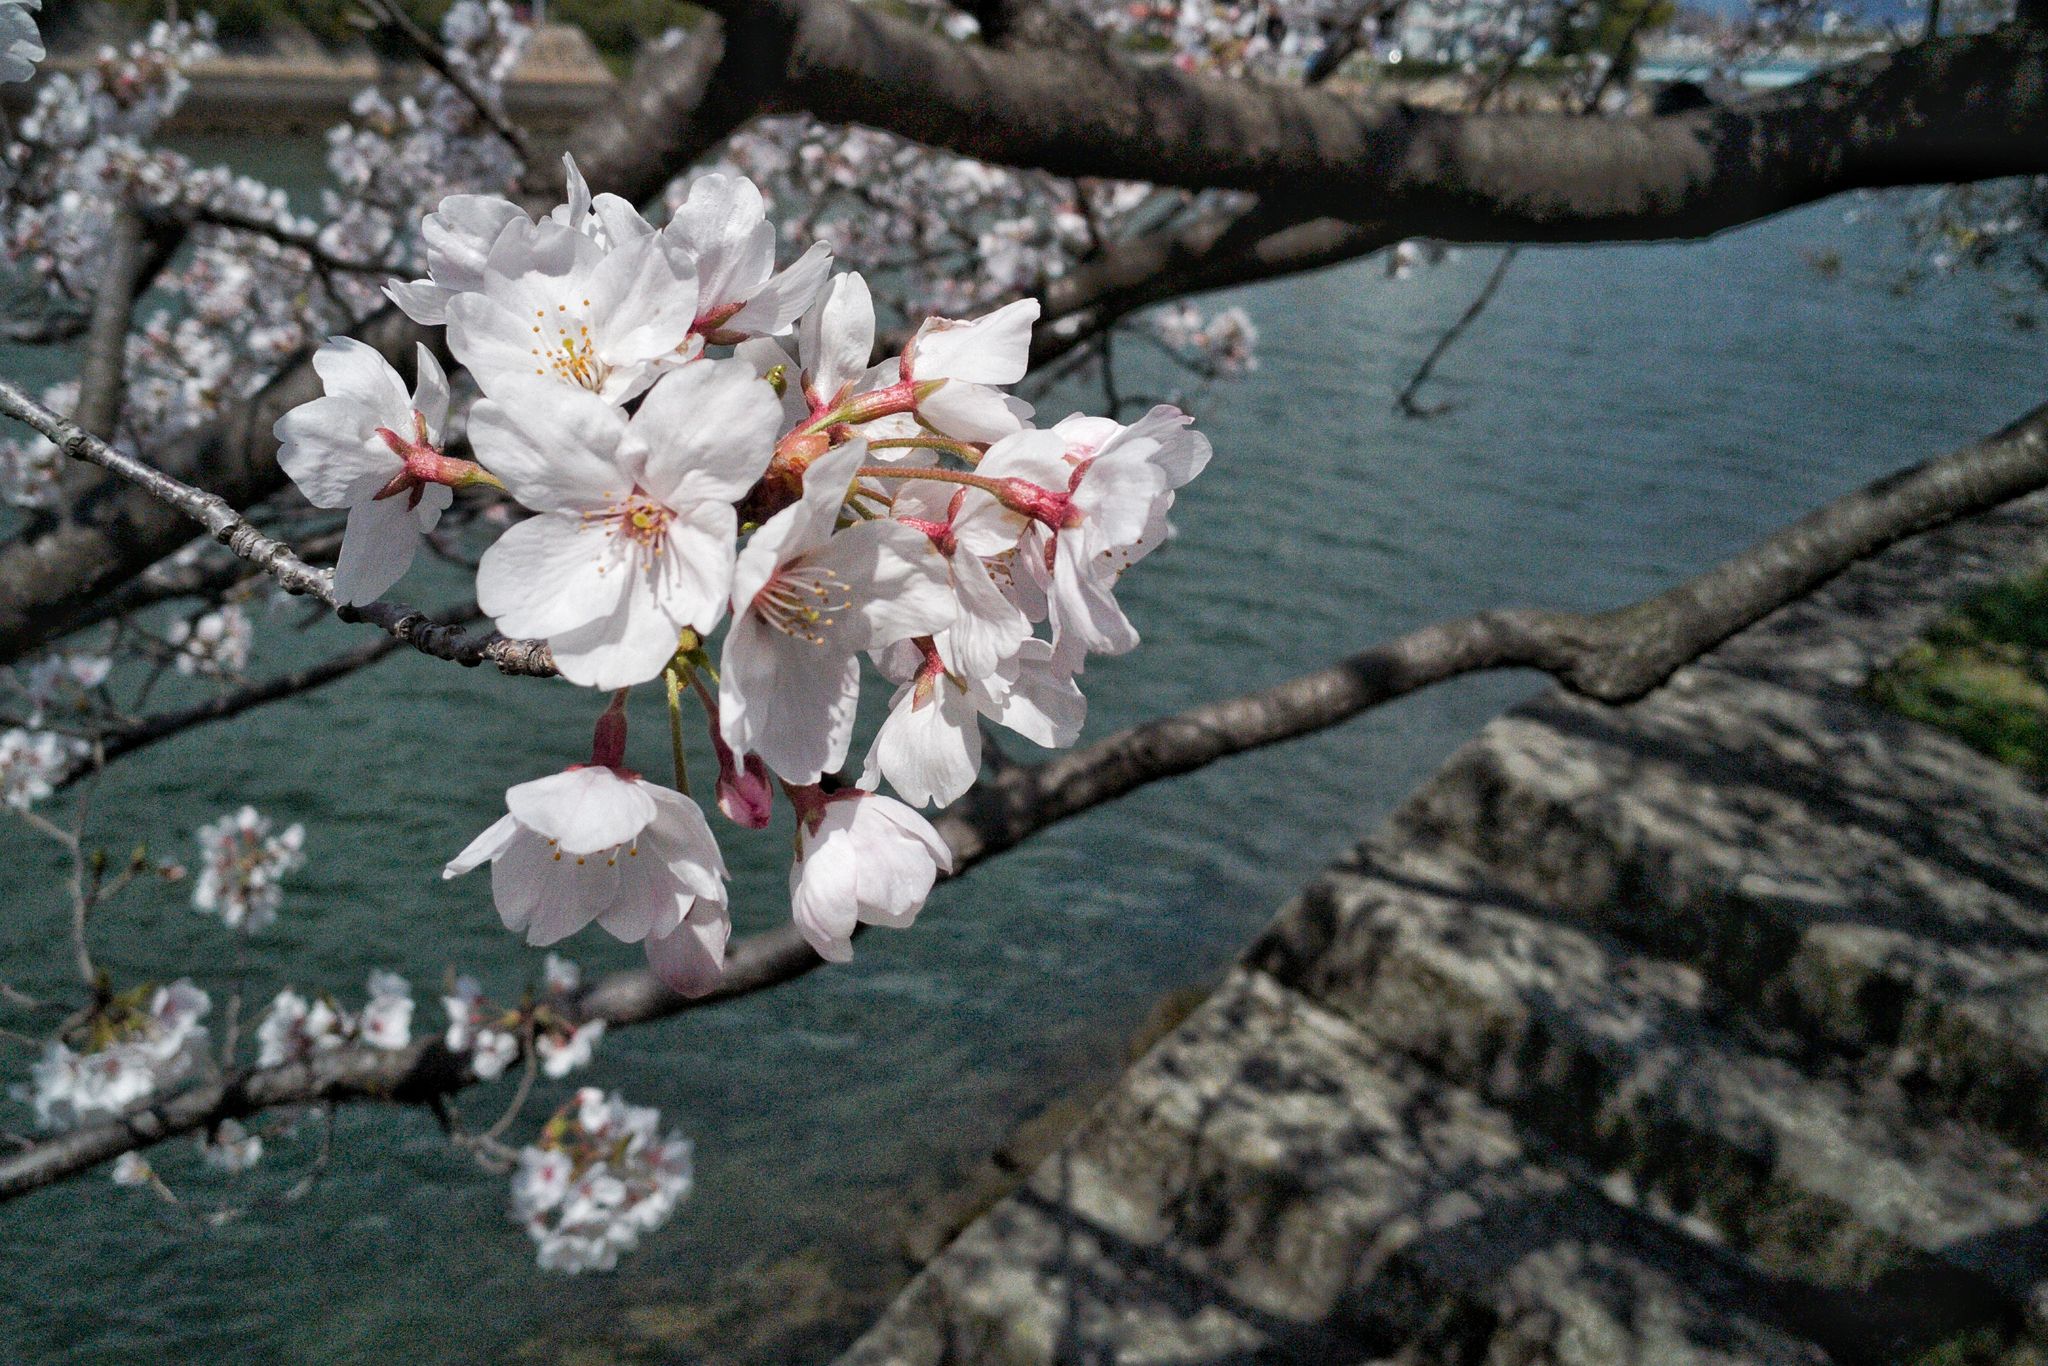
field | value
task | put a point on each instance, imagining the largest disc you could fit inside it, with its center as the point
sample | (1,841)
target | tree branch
(1613,656)
(393,17)
(422,631)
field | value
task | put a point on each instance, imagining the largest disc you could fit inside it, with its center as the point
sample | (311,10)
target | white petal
(823,898)
(491,843)
(640,309)
(377,548)
(692,959)
(557,448)
(584,809)
(995,349)
(779,303)
(929,753)
(430,391)
(330,449)
(352,369)
(549,574)
(899,581)
(709,430)
(969,412)
(629,646)
(838,336)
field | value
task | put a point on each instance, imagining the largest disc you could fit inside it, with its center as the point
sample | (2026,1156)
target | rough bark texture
(1705,1029)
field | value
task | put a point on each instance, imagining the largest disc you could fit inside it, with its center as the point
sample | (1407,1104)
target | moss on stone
(1982,674)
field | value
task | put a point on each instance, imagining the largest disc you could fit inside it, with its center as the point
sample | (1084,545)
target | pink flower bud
(744,792)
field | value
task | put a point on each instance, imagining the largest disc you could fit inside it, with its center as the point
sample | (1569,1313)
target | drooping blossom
(560,976)
(216,645)
(929,747)
(374,449)
(475,1029)
(243,867)
(603,844)
(861,859)
(33,762)
(634,543)
(807,599)
(601,1176)
(987,627)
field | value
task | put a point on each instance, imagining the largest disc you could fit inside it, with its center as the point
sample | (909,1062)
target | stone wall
(1709,1029)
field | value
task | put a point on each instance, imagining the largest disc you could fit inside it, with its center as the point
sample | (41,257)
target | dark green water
(1627,417)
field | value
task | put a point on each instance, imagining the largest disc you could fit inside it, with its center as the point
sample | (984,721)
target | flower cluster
(1223,344)
(490,1034)
(702,442)
(217,644)
(600,1177)
(294,1028)
(243,867)
(133,1047)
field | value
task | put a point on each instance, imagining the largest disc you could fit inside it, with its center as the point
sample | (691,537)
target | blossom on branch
(600,1177)
(860,859)
(243,868)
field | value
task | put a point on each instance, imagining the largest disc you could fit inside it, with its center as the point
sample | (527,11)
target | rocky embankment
(1709,1029)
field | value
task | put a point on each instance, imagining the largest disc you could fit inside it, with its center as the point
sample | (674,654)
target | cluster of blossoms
(133,1047)
(242,868)
(1225,343)
(216,645)
(600,1177)
(490,1034)
(639,399)
(295,1028)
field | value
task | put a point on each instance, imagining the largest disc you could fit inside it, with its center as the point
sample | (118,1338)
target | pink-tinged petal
(1115,496)
(640,307)
(1182,452)
(519,879)
(804,711)
(495,839)
(775,308)
(799,528)
(970,412)
(682,838)
(558,449)
(631,645)
(585,810)
(434,500)
(575,890)
(377,548)
(709,430)
(838,336)
(995,349)
(691,960)
(548,575)
(1084,610)
(649,901)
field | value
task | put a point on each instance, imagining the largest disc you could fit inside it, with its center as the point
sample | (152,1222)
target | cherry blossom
(229,1147)
(386,1021)
(243,865)
(861,859)
(562,1054)
(135,1051)
(374,449)
(601,1177)
(557,306)
(294,1029)
(32,763)
(635,541)
(987,627)
(216,644)
(971,358)
(473,1028)
(807,599)
(603,844)
(929,747)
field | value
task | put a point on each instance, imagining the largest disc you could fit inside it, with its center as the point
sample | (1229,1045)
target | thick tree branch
(1950,110)
(1613,656)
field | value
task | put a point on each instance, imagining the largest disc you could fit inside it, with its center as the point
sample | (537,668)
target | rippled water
(1626,416)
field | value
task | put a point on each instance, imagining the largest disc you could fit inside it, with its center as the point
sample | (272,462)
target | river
(1625,416)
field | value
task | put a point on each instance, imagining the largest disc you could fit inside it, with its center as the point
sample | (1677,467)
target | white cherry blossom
(861,859)
(349,450)
(560,1055)
(635,538)
(217,644)
(386,1021)
(33,762)
(557,306)
(244,865)
(988,628)
(807,599)
(929,747)
(603,844)
(295,1028)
